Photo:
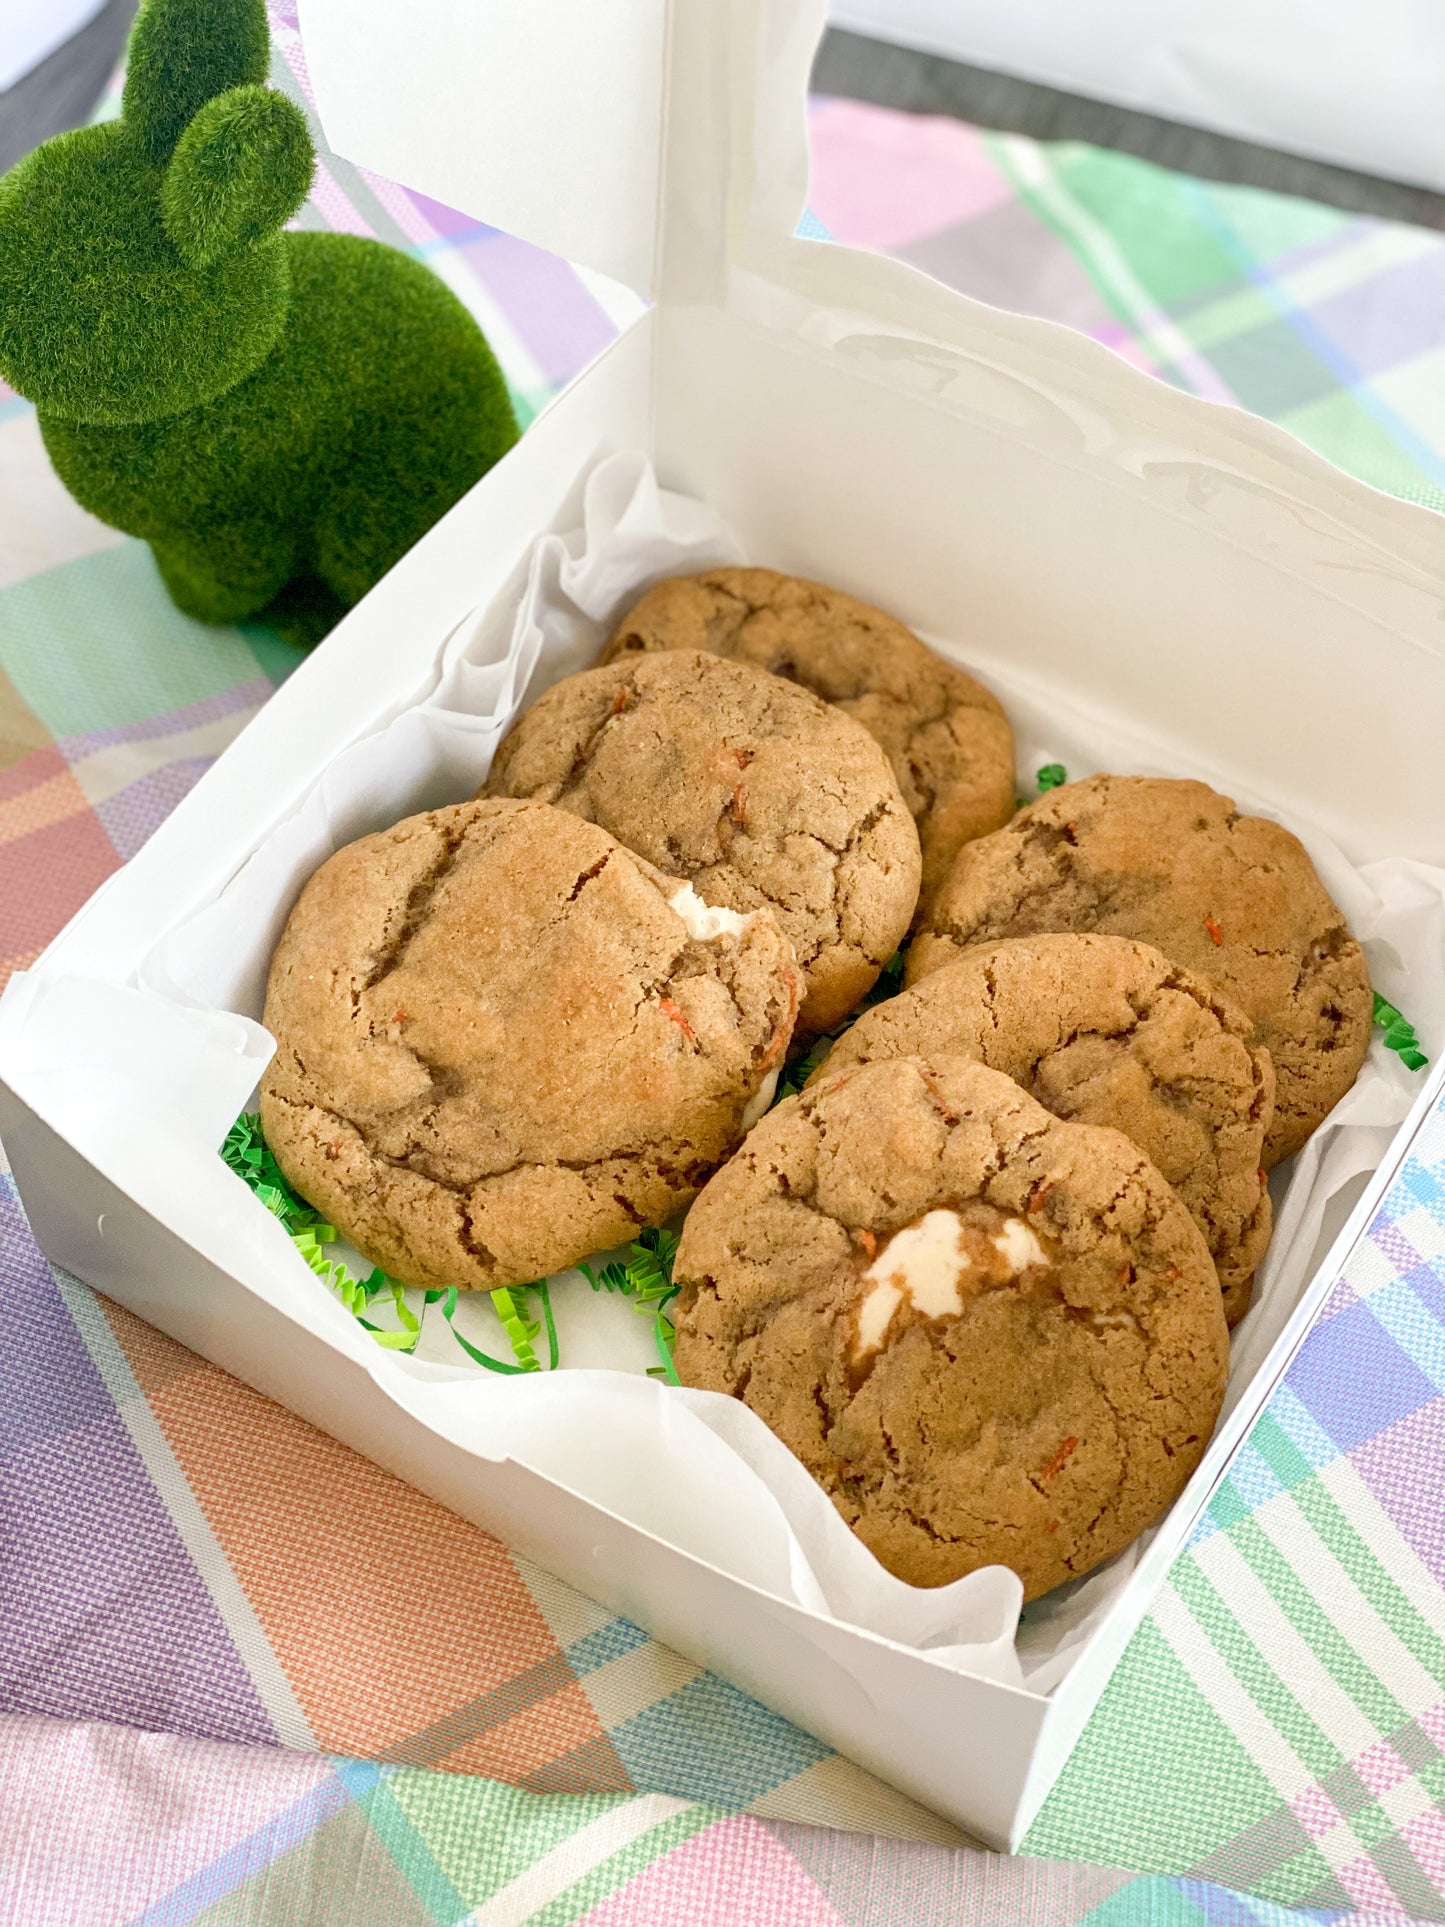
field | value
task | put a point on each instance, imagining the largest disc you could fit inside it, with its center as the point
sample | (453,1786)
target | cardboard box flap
(542,117)
(657,141)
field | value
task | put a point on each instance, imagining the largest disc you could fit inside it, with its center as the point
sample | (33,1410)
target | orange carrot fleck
(1060,1459)
(1052,1526)
(1216,935)
(619,703)
(779,1041)
(739,804)
(674,1011)
(937,1095)
(868,1242)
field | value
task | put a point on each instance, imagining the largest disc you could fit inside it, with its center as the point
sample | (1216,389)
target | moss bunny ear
(239,172)
(183,53)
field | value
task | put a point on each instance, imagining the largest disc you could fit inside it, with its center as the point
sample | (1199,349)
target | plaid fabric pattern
(1299,1645)
(183,1557)
(237,1837)
(218,1836)
(1331,324)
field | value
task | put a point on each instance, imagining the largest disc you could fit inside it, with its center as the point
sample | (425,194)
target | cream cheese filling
(1018,1247)
(925,1263)
(760,1100)
(706,922)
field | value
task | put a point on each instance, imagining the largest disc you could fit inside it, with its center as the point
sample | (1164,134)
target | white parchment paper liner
(696,1469)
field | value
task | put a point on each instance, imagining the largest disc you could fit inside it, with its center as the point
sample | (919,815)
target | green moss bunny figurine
(280,415)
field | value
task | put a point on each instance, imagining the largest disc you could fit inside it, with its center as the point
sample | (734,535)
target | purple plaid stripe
(102,1604)
(226,702)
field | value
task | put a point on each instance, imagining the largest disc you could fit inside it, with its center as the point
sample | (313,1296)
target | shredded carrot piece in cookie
(739,804)
(937,1095)
(1060,1459)
(868,1242)
(778,1042)
(674,1011)
(1216,935)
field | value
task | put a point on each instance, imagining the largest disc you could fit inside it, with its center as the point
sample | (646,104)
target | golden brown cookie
(757,792)
(1234,898)
(946,736)
(994,1338)
(1103,1030)
(504,1042)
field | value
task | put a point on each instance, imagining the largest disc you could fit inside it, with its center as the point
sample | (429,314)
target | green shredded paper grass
(796,1074)
(1399,1035)
(1050,776)
(248,1155)
(645,1276)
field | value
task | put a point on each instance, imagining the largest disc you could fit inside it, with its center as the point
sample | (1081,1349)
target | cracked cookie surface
(501,1046)
(755,791)
(945,735)
(1104,1030)
(993,1337)
(1234,898)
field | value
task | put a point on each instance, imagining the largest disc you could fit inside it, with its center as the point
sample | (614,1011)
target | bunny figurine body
(279,414)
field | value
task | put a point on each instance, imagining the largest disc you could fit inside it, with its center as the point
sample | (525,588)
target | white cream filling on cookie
(761,1098)
(925,1263)
(1018,1247)
(706,922)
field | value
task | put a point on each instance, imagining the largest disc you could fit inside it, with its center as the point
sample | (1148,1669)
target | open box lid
(616,133)
(664,143)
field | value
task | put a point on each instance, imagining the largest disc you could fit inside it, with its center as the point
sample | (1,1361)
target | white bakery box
(1150,582)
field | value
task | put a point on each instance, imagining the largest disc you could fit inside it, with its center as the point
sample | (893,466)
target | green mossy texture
(280,415)
(183,53)
(365,422)
(100,319)
(240,171)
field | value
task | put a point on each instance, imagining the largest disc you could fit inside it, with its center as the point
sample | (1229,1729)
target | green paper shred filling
(510,1304)
(800,1069)
(645,1276)
(249,1156)
(1399,1035)
(796,1073)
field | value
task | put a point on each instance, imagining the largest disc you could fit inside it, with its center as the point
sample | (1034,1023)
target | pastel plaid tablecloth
(247,1678)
